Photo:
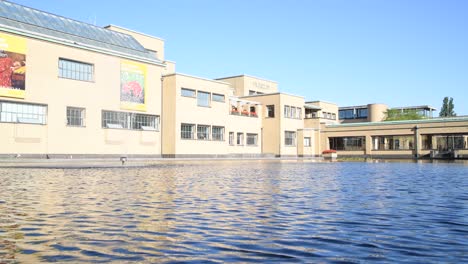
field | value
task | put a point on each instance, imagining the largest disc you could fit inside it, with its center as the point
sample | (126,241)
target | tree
(398,114)
(447,108)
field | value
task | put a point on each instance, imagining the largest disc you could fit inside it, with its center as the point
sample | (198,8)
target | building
(69,89)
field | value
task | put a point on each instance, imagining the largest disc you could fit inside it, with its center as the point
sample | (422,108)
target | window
(287,110)
(187,92)
(346,114)
(203,132)
(218,97)
(240,138)
(307,142)
(252,92)
(333,116)
(126,120)
(187,131)
(203,99)
(293,112)
(252,139)
(75,116)
(217,133)
(270,110)
(347,143)
(289,138)
(76,70)
(299,113)
(361,113)
(393,142)
(22,113)
(231,138)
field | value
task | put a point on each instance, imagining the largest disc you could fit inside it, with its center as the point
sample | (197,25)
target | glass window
(393,142)
(287,110)
(187,92)
(218,97)
(307,142)
(361,113)
(240,138)
(346,114)
(289,138)
(11,112)
(299,113)
(75,116)
(231,138)
(217,133)
(347,143)
(203,99)
(76,70)
(187,131)
(252,139)
(293,112)
(203,132)
(270,110)
(127,120)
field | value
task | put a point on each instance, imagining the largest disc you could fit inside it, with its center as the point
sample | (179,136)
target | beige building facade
(71,90)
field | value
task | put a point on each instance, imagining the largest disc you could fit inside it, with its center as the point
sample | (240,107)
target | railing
(244,113)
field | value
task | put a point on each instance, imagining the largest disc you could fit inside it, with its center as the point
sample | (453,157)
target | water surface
(237,211)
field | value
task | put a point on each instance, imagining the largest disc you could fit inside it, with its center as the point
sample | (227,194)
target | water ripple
(236,211)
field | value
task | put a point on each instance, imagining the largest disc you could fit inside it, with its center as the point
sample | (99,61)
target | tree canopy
(398,114)
(447,108)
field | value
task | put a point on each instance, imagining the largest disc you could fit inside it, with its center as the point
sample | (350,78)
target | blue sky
(397,52)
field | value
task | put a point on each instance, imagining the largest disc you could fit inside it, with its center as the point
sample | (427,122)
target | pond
(236,211)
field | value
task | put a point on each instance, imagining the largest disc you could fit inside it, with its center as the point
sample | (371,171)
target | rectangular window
(203,99)
(240,138)
(11,112)
(76,70)
(127,120)
(347,143)
(346,114)
(270,110)
(217,133)
(293,112)
(393,142)
(252,139)
(307,142)
(299,113)
(187,92)
(75,116)
(203,132)
(289,138)
(287,110)
(231,138)
(218,97)
(187,131)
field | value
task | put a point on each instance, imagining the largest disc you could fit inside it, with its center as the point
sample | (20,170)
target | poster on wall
(12,66)
(132,86)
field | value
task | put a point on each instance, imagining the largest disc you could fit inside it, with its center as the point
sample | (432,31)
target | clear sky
(398,52)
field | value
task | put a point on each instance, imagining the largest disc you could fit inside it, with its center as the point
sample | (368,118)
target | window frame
(82,117)
(293,138)
(129,121)
(215,136)
(208,97)
(240,140)
(270,109)
(216,95)
(249,136)
(75,70)
(188,90)
(23,113)
(206,132)
(192,131)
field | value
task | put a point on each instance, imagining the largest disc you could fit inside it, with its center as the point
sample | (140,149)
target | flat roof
(275,93)
(245,75)
(426,107)
(402,122)
(196,77)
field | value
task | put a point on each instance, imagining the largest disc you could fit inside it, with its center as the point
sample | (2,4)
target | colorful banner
(12,66)
(132,86)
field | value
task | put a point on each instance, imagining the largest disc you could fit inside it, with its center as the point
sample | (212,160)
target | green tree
(398,114)
(447,108)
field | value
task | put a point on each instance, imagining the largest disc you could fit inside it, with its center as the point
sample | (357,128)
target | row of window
(403,142)
(201,132)
(328,115)
(357,113)
(203,98)
(251,139)
(292,112)
(76,70)
(12,112)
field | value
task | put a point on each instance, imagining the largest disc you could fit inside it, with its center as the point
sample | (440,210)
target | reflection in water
(236,211)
